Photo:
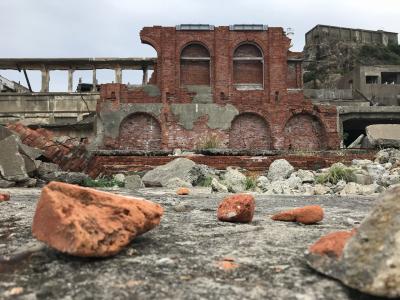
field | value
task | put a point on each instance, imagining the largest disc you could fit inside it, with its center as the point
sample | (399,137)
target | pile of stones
(24,166)
(363,177)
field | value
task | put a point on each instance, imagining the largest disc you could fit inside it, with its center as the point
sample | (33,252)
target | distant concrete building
(380,84)
(325,33)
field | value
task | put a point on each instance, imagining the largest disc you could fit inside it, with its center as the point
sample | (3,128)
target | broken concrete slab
(12,164)
(384,135)
(370,261)
(178,168)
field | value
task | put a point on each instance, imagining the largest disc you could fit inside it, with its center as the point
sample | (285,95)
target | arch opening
(140,131)
(249,131)
(304,132)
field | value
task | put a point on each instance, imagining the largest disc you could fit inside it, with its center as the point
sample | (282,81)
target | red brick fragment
(237,208)
(183,191)
(306,215)
(86,222)
(4,197)
(332,244)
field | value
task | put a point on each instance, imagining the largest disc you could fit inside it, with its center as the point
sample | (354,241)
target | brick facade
(251,72)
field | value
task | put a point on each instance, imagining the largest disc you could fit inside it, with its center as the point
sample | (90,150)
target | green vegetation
(102,182)
(205,181)
(374,54)
(250,183)
(209,142)
(335,174)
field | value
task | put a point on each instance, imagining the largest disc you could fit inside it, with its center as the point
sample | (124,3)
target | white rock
(361,162)
(263,183)
(305,176)
(133,182)
(320,189)
(279,169)
(375,170)
(234,180)
(177,182)
(293,182)
(216,186)
(119,177)
(339,186)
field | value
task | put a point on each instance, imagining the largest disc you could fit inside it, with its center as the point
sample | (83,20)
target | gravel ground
(180,259)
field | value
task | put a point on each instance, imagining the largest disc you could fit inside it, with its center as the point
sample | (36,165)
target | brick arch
(140,131)
(249,131)
(304,132)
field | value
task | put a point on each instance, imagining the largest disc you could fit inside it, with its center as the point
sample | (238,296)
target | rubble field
(191,255)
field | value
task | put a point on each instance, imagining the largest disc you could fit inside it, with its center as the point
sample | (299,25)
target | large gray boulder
(159,176)
(384,135)
(279,169)
(370,261)
(12,163)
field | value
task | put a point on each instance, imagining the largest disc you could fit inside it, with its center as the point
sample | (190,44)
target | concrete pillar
(145,76)
(118,75)
(94,81)
(70,80)
(45,80)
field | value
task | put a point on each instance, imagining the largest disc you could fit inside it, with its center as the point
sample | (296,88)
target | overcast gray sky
(99,28)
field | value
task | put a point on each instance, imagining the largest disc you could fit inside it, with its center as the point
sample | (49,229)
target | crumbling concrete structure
(238,87)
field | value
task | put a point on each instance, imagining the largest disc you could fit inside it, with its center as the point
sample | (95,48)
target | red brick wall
(249,131)
(195,73)
(248,72)
(140,131)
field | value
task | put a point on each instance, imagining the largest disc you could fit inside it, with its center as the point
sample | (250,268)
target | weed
(250,183)
(335,174)
(102,182)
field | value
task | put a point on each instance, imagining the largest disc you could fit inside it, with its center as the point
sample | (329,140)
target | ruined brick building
(238,86)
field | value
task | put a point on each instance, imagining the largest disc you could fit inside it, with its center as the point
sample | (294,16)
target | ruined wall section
(189,115)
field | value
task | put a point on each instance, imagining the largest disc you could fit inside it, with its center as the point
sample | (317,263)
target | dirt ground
(189,256)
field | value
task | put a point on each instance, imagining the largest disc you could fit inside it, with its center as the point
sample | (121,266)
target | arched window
(195,65)
(248,67)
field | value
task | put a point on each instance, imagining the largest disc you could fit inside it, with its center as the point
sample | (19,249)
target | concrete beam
(129,63)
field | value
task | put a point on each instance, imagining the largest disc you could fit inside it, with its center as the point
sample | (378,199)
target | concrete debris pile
(26,166)
(362,177)
(91,223)
(368,258)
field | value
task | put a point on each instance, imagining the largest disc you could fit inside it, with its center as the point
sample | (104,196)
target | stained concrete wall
(46,108)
